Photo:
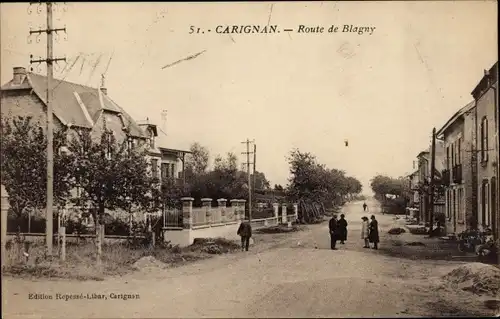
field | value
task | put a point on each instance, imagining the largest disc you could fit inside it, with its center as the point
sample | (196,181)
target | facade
(458,137)
(413,181)
(424,178)
(485,94)
(77,107)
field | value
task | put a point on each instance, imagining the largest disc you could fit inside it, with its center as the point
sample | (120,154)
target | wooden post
(63,243)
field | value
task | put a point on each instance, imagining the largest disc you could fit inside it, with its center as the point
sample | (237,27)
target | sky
(382,92)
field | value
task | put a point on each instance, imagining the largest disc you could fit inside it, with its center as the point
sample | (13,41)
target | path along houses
(79,107)
(471,155)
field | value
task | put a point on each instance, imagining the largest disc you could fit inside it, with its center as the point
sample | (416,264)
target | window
(448,157)
(452,155)
(485,214)
(484,140)
(494,199)
(154,168)
(459,204)
(151,139)
(448,204)
(172,170)
(459,151)
(454,204)
(164,171)
(109,144)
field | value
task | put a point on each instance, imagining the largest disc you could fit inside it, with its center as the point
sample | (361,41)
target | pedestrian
(342,226)
(365,206)
(365,231)
(373,232)
(332,225)
(245,232)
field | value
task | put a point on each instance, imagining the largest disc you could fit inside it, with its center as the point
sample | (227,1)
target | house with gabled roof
(75,106)
(79,107)
(424,177)
(458,137)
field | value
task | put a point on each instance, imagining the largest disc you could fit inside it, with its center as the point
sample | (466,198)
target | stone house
(485,94)
(424,177)
(78,107)
(458,136)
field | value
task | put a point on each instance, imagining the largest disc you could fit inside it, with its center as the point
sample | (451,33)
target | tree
(314,184)
(113,175)
(197,161)
(24,165)
(278,187)
(383,185)
(261,182)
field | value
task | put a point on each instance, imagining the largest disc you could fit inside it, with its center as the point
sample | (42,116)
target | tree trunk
(99,216)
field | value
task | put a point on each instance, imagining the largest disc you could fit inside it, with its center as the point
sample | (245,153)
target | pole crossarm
(39,31)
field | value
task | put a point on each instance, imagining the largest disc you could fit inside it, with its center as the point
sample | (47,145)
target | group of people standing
(338,231)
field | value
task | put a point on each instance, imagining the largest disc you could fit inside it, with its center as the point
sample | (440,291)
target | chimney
(103,86)
(19,75)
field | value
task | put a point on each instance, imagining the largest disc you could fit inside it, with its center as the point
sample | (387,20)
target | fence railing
(214,216)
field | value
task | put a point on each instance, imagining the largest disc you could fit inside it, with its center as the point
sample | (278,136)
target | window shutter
(482,140)
(486,140)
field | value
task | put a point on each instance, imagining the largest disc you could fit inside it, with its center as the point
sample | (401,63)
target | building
(458,136)
(78,107)
(424,178)
(167,163)
(413,179)
(485,94)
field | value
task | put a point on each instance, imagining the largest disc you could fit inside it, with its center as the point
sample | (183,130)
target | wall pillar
(283,214)
(242,209)
(234,208)
(4,209)
(296,211)
(206,203)
(187,212)
(222,207)
(276,208)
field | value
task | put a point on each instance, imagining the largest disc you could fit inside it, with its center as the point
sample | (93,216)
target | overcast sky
(382,92)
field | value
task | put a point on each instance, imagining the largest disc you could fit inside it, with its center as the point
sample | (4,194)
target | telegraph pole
(254,171)
(431,188)
(248,142)
(50,125)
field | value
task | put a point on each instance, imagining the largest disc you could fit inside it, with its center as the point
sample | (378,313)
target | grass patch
(280,229)
(117,259)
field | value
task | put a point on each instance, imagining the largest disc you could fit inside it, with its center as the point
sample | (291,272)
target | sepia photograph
(254,159)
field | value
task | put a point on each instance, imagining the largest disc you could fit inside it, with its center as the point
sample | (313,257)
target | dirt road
(300,277)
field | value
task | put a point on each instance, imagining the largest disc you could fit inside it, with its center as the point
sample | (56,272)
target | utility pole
(431,186)
(254,171)
(50,125)
(248,142)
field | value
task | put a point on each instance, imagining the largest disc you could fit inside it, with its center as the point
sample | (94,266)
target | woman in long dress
(365,231)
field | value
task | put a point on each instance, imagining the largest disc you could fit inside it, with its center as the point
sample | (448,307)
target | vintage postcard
(250,159)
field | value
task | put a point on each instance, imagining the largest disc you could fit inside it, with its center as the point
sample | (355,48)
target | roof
(455,117)
(168,143)
(75,104)
(490,77)
(424,152)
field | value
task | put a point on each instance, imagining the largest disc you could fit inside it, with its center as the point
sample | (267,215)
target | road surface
(301,277)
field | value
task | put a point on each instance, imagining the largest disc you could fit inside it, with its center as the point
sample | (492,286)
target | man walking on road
(365,207)
(332,225)
(245,232)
